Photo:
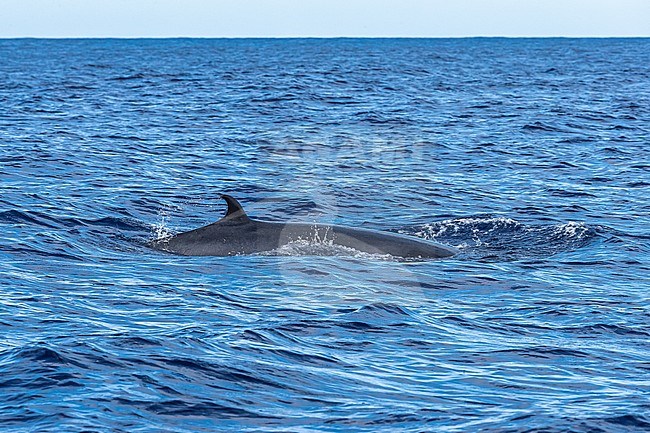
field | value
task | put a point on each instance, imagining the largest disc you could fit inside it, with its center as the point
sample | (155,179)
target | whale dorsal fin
(235,212)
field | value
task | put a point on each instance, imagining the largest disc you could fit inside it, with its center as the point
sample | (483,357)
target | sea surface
(532,156)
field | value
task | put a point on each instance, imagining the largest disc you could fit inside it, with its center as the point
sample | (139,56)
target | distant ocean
(530,155)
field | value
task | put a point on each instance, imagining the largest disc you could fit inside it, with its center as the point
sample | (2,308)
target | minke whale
(237,234)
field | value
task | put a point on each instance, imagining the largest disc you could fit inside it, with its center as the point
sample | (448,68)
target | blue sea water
(530,155)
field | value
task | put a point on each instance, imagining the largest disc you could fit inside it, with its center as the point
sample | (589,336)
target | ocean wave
(505,238)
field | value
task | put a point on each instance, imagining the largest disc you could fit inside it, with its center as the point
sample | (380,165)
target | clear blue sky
(328,18)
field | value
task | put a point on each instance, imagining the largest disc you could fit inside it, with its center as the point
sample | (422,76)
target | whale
(238,234)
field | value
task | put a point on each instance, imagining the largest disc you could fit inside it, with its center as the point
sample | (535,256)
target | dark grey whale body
(237,234)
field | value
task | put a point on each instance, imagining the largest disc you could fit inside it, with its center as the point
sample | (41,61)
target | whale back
(235,233)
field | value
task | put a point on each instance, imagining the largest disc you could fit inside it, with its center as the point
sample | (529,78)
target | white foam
(454,226)
(571,229)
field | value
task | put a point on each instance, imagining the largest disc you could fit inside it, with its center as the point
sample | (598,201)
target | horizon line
(338,37)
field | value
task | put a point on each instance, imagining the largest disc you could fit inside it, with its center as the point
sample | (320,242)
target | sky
(322,18)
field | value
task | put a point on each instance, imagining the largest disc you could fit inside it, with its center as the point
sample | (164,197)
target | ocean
(532,156)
